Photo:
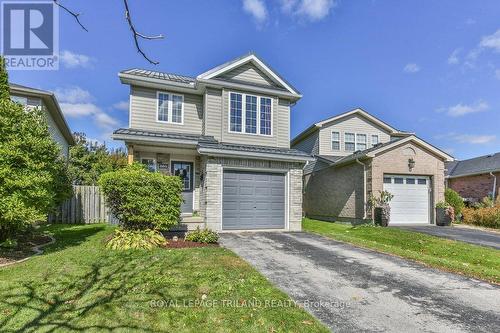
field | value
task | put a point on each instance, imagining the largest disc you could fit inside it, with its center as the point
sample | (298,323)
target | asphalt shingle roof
(481,164)
(165,135)
(252,148)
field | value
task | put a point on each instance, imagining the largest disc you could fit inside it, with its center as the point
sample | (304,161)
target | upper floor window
(374,140)
(349,142)
(360,141)
(335,141)
(250,114)
(170,108)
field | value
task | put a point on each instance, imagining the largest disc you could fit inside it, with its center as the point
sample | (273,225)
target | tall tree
(4,80)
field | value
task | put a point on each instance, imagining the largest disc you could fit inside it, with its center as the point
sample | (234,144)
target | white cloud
(313,10)
(411,68)
(463,109)
(453,58)
(257,9)
(122,105)
(491,41)
(475,139)
(79,103)
(74,60)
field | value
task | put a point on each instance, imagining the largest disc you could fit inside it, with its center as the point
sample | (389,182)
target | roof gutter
(229,153)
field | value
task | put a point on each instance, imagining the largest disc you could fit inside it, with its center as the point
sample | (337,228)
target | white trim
(170,107)
(243,114)
(345,142)
(257,62)
(371,139)
(331,141)
(130,109)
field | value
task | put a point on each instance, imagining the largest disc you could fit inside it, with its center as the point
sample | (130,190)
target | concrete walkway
(473,236)
(356,290)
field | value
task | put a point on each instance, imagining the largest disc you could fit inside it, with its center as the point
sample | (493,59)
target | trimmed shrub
(455,201)
(141,199)
(202,236)
(485,217)
(135,239)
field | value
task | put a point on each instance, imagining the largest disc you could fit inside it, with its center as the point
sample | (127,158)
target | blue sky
(430,67)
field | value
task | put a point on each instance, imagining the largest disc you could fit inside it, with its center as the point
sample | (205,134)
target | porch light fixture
(411,163)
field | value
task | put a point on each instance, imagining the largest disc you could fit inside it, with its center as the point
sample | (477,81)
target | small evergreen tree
(4,80)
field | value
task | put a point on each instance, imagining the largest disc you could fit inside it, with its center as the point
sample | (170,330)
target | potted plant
(381,208)
(445,214)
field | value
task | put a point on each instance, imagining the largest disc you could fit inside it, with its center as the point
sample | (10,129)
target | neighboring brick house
(475,178)
(226,133)
(357,155)
(46,100)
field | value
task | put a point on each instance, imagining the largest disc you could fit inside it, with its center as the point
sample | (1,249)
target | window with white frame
(149,163)
(360,141)
(349,142)
(335,141)
(374,140)
(250,114)
(170,108)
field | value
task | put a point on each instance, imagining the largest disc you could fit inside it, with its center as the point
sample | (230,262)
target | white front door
(411,201)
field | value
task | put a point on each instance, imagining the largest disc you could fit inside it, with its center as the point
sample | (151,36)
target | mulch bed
(23,249)
(180,243)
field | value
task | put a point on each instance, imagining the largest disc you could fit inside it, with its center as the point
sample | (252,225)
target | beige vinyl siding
(351,124)
(143,114)
(280,135)
(309,144)
(248,73)
(213,114)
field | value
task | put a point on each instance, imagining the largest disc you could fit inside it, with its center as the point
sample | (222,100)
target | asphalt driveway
(356,290)
(474,236)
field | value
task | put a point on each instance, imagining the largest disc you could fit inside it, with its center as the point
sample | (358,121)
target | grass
(77,285)
(454,256)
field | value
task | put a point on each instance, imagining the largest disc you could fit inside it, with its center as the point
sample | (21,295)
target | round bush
(454,200)
(141,199)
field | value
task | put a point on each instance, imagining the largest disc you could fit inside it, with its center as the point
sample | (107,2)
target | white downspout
(364,187)
(494,184)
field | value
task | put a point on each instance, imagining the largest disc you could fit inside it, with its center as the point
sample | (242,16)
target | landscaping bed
(454,256)
(24,248)
(79,285)
(181,243)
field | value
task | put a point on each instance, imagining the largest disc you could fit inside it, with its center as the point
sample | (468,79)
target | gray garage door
(253,200)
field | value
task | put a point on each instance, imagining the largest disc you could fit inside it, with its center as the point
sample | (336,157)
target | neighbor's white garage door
(411,198)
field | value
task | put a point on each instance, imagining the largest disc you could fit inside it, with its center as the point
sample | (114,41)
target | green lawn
(77,285)
(459,257)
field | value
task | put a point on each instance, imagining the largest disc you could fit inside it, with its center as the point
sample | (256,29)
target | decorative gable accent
(250,69)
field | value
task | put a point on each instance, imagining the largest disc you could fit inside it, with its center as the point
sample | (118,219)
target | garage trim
(287,194)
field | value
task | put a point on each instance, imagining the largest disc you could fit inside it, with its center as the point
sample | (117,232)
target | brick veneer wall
(474,187)
(211,192)
(395,161)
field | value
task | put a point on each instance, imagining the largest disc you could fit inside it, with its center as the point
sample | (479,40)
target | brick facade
(474,187)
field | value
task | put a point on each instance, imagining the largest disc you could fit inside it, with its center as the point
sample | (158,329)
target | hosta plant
(135,239)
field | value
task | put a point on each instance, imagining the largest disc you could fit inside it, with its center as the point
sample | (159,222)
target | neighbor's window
(170,108)
(250,114)
(374,140)
(265,116)
(335,141)
(360,141)
(349,142)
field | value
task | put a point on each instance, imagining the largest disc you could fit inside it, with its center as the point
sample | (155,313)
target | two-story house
(226,133)
(47,101)
(357,156)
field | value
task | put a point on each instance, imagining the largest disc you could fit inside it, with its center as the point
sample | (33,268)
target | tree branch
(75,15)
(138,35)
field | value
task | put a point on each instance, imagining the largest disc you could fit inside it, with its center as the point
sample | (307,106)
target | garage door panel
(410,203)
(253,200)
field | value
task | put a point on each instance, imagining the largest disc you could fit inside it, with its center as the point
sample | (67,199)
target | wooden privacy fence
(86,206)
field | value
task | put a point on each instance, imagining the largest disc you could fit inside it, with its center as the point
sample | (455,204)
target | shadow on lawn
(95,300)
(71,235)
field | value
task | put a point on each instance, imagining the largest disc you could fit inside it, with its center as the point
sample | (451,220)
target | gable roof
(357,111)
(377,149)
(52,105)
(251,57)
(474,166)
